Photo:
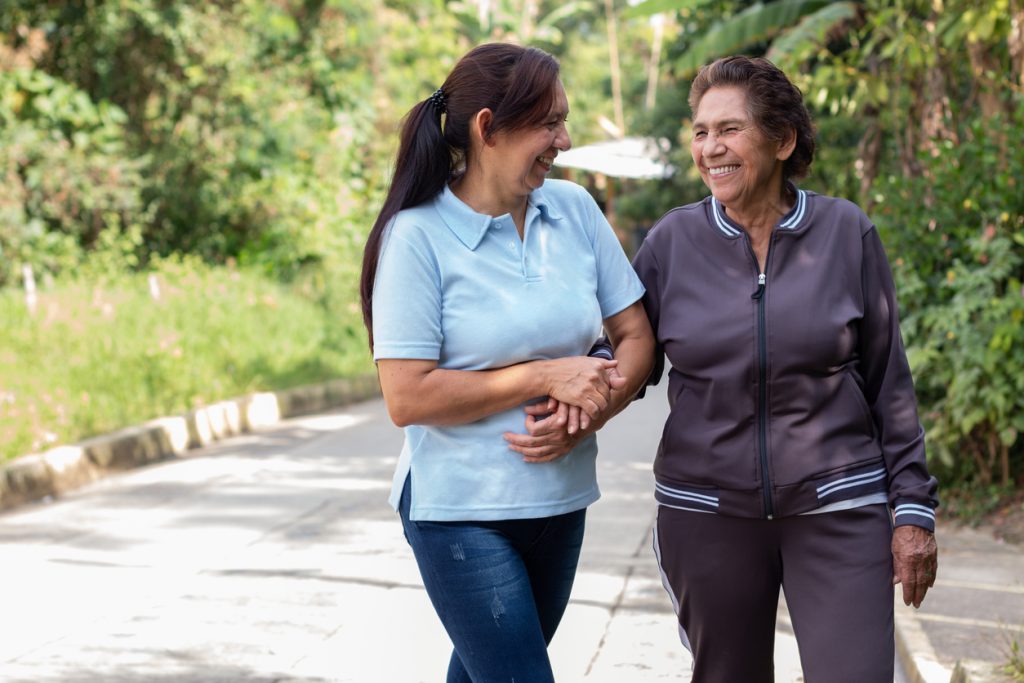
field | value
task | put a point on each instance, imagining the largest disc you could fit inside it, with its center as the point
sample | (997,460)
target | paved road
(274,557)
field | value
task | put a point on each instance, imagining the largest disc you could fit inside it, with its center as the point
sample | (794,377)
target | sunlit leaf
(813,30)
(650,7)
(755,24)
(565,11)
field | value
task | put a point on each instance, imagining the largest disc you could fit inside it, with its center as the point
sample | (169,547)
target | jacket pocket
(852,387)
(853,482)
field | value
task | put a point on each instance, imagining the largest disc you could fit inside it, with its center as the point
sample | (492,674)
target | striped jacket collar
(791,222)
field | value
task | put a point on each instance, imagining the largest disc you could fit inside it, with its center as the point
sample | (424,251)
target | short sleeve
(406,299)
(617,283)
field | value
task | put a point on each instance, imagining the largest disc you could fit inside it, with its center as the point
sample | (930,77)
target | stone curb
(915,650)
(61,469)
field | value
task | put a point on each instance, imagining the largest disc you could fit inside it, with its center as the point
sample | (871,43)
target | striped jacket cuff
(914,514)
(602,348)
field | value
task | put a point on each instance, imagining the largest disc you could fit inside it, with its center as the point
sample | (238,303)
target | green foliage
(247,130)
(650,7)
(956,236)
(125,357)
(798,44)
(835,168)
(793,29)
(66,175)
(970,501)
(758,23)
(536,23)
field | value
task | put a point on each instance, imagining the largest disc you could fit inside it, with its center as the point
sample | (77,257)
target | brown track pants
(724,573)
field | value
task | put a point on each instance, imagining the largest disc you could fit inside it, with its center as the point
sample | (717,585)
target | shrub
(955,236)
(65,174)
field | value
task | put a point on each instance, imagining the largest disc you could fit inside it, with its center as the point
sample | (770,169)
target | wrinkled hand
(914,562)
(583,382)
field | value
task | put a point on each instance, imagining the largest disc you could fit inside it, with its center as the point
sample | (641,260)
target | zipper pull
(760,287)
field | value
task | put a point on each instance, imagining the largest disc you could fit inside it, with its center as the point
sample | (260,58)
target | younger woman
(483,289)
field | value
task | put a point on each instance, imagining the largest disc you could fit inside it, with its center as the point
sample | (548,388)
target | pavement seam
(620,598)
(980,586)
(294,521)
(967,621)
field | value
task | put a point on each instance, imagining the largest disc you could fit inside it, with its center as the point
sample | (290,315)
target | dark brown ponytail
(517,84)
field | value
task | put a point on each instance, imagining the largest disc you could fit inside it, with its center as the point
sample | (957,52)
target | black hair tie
(439,101)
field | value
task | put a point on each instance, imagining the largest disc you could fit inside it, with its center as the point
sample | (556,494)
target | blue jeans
(500,589)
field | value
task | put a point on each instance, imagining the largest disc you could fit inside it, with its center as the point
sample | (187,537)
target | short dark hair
(773,102)
(516,83)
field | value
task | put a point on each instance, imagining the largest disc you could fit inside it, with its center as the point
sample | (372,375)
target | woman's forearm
(419,392)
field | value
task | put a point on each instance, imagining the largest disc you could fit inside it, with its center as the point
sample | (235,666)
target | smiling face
(739,164)
(527,154)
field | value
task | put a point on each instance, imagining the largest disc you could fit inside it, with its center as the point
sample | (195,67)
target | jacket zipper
(762,351)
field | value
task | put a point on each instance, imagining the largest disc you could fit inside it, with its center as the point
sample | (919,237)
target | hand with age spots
(553,428)
(914,562)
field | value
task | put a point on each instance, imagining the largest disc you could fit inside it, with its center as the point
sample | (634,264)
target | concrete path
(274,557)
(975,612)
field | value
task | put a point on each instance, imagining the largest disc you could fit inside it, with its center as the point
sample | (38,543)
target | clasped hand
(578,405)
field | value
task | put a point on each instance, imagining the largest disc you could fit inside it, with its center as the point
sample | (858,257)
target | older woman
(793,446)
(483,287)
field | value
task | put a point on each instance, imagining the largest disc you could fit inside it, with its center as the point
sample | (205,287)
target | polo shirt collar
(470,226)
(539,199)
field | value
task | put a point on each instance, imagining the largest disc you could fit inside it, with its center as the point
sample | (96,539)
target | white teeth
(547,161)
(719,170)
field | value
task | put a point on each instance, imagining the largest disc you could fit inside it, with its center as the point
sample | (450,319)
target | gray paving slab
(976,609)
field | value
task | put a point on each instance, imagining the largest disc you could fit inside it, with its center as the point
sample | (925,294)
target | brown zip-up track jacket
(789,389)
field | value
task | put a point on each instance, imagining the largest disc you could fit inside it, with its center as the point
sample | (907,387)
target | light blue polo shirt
(461,288)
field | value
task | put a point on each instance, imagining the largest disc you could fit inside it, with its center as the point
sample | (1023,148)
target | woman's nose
(712,145)
(562,141)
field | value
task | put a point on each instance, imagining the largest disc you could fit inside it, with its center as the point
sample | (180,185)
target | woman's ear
(787,145)
(480,126)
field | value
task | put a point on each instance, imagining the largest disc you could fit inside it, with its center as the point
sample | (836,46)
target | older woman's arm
(889,390)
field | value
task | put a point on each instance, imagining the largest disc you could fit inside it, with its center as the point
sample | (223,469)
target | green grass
(1014,666)
(100,355)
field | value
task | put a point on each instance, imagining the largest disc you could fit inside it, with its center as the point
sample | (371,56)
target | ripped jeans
(500,588)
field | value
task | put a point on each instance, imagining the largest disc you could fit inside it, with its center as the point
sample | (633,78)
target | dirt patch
(1007,521)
